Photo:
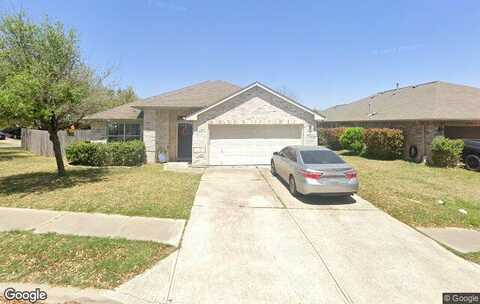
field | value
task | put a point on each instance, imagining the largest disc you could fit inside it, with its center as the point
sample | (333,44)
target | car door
(280,163)
(290,162)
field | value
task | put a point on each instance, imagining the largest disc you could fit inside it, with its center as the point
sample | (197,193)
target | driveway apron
(248,241)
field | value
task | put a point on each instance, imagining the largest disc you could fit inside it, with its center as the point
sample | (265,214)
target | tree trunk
(57,150)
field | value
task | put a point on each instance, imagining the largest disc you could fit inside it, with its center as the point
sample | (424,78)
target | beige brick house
(211,123)
(422,111)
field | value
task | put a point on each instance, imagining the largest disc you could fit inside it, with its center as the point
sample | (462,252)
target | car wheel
(292,187)
(272,168)
(472,162)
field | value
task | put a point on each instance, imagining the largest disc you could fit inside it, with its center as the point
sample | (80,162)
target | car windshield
(320,157)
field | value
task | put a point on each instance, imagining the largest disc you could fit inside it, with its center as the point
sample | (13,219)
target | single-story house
(422,111)
(211,123)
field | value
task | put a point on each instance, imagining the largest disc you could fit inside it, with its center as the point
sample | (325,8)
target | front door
(184,134)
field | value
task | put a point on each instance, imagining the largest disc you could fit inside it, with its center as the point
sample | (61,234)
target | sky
(322,53)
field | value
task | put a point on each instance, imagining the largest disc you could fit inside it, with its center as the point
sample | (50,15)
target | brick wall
(149,127)
(160,132)
(418,133)
(255,106)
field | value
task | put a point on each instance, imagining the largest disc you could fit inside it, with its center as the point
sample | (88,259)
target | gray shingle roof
(195,96)
(125,111)
(436,100)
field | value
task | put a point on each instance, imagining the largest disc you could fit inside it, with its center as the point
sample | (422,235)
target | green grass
(410,192)
(73,260)
(474,256)
(29,181)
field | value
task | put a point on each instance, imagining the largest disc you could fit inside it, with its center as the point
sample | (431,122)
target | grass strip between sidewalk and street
(472,256)
(78,261)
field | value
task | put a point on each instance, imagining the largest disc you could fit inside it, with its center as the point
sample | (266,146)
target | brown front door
(184,133)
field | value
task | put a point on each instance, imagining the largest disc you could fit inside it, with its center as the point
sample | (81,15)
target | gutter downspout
(425,156)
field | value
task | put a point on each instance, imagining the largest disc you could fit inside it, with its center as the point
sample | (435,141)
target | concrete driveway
(249,241)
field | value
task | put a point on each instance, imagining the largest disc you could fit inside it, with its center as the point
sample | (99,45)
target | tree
(43,81)
(102,97)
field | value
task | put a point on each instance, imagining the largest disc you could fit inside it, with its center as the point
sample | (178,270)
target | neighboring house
(211,123)
(422,111)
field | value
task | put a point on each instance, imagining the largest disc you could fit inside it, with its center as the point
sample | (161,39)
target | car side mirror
(275,153)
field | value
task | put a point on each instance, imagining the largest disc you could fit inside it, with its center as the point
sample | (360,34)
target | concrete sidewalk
(460,239)
(10,143)
(249,241)
(167,231)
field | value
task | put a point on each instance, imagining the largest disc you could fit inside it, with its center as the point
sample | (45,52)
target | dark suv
(471,154)
(13,132)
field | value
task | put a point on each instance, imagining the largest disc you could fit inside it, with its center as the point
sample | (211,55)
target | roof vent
(370,109)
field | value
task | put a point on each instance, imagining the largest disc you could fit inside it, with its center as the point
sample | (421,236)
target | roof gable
(194,116)
(254,110)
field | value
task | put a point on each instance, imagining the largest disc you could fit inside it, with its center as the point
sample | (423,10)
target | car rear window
(320,157)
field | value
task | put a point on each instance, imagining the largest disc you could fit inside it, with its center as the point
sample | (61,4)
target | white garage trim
(250,144)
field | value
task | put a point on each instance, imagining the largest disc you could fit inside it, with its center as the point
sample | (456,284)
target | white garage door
(250,144)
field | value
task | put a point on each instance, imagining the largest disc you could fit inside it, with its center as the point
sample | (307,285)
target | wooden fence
(38,141)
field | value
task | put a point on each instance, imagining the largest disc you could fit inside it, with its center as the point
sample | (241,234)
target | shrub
(331,137)
(86,153)
(353,140)
(131,153)
(446,152)
(384,143)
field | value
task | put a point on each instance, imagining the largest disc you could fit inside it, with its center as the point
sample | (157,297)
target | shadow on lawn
(347,153)
(12,153)
(39,182)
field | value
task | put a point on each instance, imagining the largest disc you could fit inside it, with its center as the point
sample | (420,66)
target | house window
(119,131)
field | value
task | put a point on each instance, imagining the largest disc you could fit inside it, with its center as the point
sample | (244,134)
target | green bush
(353,140)
(446,152)
(330,137)
(86,153)
(130,153)
(384,143)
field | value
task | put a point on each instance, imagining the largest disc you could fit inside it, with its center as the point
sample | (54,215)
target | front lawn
(30,181)
(411,192)
(74,260)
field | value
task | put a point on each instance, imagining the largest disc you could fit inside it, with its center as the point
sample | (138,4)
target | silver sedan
(314,170)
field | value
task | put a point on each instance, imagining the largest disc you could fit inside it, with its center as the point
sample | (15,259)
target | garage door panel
(250,145)
(255,131)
